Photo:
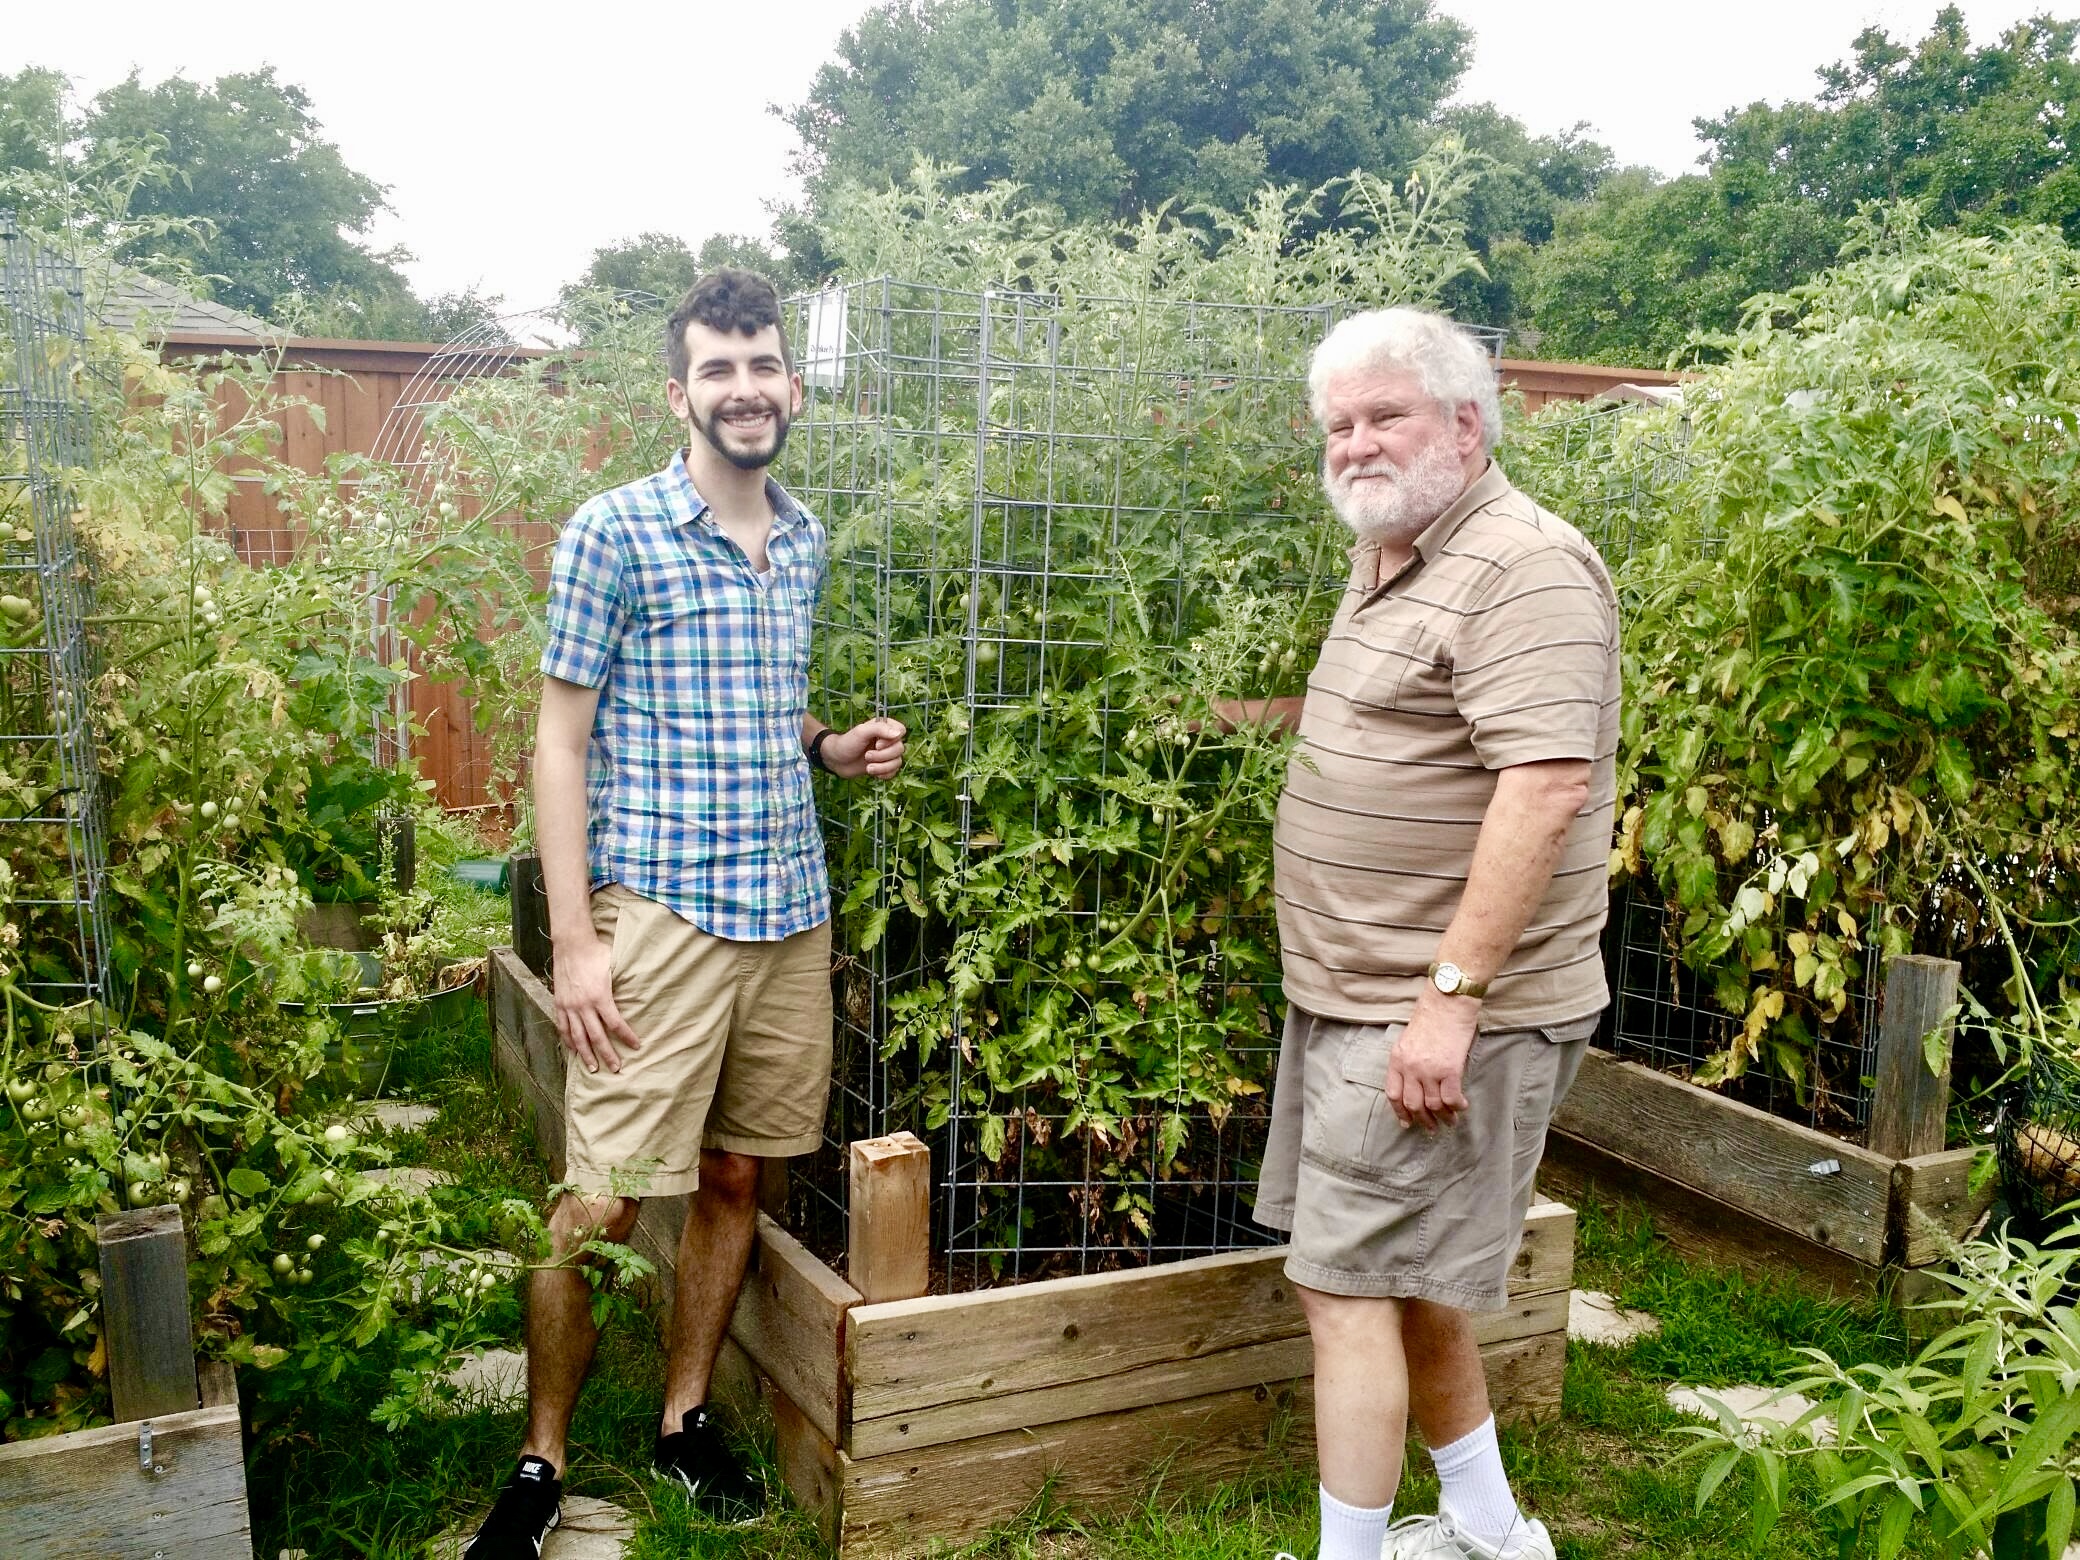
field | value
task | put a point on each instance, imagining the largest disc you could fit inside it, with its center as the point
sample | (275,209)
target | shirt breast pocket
(1399,658)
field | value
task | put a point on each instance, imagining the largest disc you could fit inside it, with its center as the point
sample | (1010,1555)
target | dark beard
(754,460)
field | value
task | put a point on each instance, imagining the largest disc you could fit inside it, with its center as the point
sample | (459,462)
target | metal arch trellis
(52,823)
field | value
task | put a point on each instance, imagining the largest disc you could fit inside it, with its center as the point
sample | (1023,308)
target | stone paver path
(397,1115)
(1754,1405)
(496,1379)
(590,1530)
(1595,1317)
(412,1176)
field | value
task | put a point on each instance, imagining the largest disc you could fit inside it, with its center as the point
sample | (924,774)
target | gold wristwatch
(1451,981)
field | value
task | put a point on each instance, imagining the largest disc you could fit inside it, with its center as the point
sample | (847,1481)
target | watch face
(1449,978)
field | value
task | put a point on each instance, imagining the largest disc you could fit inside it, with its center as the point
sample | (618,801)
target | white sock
(1474,1486)
(1352,1532)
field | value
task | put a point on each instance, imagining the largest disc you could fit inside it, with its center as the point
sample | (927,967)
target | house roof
(143,303)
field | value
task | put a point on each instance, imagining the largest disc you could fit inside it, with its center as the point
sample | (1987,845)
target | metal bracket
(1825,1167)
(144,1446)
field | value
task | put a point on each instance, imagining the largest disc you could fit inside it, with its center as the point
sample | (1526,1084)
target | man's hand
(1428,1064)
(586,1016)
(873,748)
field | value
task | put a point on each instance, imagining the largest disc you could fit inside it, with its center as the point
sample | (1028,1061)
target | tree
(1979,136)
(280,203)
(661,265)
(33,124)
(1108,107)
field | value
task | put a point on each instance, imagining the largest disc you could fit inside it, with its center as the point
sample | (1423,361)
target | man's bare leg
(714,1246)
(1360,1394)
(560,1332)
(1448,1391)
(1447,1384)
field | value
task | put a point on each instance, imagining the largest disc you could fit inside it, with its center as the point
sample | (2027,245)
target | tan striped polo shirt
(1496,644)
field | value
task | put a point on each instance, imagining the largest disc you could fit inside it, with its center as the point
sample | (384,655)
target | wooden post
(1909,1104)
(530,913)
(889,1244)
(144,1313)
(772,1189)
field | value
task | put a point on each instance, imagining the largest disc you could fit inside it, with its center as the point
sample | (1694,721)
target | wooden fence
(360,384)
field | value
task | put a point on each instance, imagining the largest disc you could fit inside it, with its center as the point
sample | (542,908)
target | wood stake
(144,1313)
(889,1249)
(1909,1104)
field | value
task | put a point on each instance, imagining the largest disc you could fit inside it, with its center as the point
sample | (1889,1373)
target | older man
(1441,849)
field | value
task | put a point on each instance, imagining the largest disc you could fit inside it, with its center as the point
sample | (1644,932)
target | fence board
(83,1496)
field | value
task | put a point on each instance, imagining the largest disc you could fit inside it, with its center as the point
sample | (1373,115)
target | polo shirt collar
(1490,485)
(689,508)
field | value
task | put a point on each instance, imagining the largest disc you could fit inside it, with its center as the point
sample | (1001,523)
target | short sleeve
(587,600)
(1535,661)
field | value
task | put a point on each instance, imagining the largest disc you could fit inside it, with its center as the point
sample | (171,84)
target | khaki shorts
(1378,1209)
(736,1051)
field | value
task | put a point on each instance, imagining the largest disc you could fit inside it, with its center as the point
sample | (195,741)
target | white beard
(1400,508)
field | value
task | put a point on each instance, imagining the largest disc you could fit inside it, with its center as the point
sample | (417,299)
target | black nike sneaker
(522,1516)
(697,1459)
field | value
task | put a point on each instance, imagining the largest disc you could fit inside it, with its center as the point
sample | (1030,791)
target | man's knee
(729,1176)
(577,1219)
(1356,1319)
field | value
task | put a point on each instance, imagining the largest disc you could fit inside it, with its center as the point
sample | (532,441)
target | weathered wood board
(1833,1193)
(83,1496)
(947,1367)
(1935,1188)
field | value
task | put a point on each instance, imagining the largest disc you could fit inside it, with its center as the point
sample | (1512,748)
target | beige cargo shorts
(735,1053)
(1378,1209)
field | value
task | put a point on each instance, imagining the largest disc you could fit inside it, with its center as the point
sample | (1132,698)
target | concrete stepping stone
(1759,1406)
(395,1115)
(1594,1317)
(495,1379)
(590,1530)
(413,1178)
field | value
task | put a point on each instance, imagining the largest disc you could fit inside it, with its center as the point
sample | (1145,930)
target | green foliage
(233,708)
(1972,1444)
(1106,110)
(1976,134)
(1841,689)
(277,200)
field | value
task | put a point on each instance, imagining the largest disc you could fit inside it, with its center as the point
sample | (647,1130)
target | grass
(1602,1476)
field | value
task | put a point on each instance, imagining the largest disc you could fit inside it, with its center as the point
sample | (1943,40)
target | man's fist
(873,747)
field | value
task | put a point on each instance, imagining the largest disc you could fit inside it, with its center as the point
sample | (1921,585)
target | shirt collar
(691,509)
(1490,485)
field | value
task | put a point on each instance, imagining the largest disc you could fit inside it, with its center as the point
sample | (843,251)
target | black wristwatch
(816,751)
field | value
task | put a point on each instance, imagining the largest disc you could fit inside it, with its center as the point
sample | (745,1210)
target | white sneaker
(1440,1538)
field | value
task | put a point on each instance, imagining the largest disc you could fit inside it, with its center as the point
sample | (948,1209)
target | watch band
(816,751)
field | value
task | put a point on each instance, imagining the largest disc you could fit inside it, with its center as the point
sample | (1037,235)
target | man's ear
(1467,431)
(675,398)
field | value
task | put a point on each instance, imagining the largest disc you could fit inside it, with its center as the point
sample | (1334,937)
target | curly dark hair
(726,300)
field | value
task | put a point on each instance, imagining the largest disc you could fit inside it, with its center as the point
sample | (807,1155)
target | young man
(688,903)
(1440,853)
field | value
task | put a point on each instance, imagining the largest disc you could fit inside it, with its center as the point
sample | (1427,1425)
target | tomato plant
(1852,699)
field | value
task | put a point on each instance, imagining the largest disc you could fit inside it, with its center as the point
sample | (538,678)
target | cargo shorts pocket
(1352,1131)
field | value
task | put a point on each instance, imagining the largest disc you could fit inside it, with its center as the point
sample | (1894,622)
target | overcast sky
(517,139)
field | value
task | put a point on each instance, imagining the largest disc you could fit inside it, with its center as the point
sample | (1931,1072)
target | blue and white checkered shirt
(697,787)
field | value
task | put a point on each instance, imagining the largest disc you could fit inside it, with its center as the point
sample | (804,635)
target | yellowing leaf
(1948,505)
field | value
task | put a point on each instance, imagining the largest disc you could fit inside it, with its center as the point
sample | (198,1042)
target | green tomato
(209,809)
(336,1133)
(194,969)
(213,984)
(140,1193)
(37,1109)
(177,1189)
(283,1264)
(315,1242)
(304,1277)
(21,1090)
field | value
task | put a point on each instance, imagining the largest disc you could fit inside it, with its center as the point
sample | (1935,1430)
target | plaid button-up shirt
(697,787)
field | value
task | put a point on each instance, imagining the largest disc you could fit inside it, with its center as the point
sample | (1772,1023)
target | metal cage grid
(1662,1015)
(1013,482)
(52,839)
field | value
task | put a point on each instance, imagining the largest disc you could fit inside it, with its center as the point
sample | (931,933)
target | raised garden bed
(904,1419)
(1726,1176)
(169,1478)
